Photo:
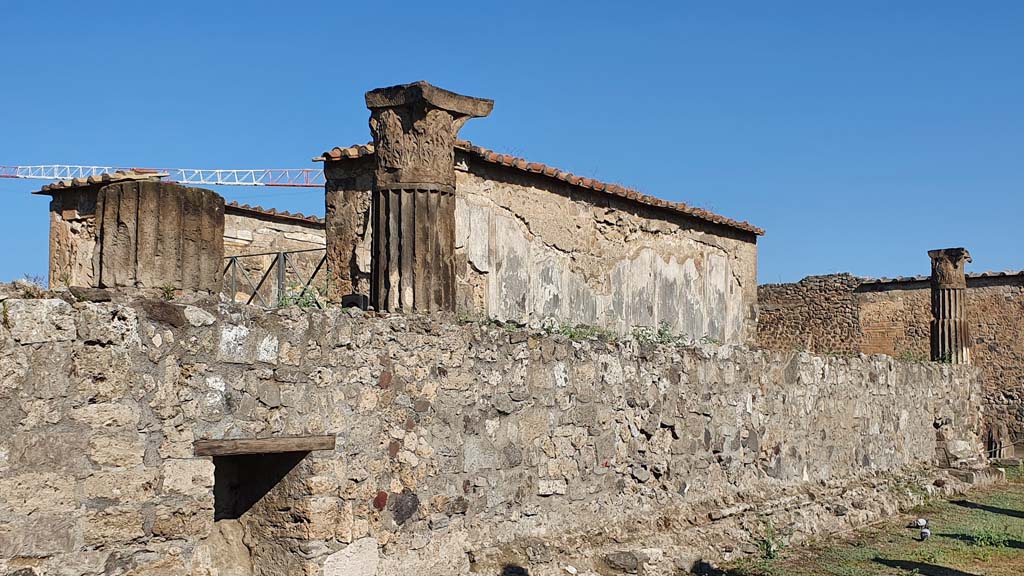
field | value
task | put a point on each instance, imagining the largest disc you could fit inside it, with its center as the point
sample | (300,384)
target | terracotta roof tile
(924,278)
(105,178)
(271,212)
(359,151)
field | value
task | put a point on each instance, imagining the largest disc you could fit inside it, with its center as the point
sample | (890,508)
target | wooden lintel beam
(263,445)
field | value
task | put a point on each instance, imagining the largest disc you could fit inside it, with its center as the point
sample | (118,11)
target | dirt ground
(979,534)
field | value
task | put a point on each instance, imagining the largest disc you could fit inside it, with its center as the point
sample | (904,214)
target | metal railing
(290,284)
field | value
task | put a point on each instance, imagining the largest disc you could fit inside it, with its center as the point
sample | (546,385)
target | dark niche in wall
(240,481)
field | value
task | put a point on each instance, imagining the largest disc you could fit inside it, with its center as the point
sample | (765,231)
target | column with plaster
(414,128)
(950,333)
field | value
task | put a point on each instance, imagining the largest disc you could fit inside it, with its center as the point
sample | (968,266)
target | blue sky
(859,134)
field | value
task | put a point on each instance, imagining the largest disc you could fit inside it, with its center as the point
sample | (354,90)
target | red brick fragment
(380,500)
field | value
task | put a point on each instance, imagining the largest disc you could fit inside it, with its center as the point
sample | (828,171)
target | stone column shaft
(415,127)
(159,234)
(950,332)
(414,250)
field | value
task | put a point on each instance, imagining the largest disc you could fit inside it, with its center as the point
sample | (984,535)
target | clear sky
(859,134)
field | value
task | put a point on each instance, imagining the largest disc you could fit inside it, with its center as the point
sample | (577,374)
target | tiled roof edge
(922,278)
(362,150)
(105,178)
(272,213)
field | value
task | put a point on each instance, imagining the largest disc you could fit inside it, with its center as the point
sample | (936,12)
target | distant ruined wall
(461,447)
(529,248)
(843,314)
(247,232)
(817,314)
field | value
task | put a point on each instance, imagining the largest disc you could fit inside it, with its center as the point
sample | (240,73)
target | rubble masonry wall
(460,446)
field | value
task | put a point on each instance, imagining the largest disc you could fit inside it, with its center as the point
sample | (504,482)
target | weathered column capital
(414,131)
(948,267)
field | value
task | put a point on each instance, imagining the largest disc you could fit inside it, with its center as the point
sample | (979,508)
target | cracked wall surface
(536,249)
(460,447)
(529,248)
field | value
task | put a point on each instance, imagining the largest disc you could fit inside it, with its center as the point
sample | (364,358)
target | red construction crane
(286,177)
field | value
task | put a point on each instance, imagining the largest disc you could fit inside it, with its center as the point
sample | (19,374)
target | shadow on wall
(241,481)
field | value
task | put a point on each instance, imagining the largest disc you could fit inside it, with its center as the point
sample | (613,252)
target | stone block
(124,450)
(113,526)
(36,492)
(105,324)
(40,321)
(179,519)
(38,536)
(359,558)
(123,486)
(192,477)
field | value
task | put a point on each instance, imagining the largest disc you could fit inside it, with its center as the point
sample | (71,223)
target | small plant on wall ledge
(299,296)
(167,291)
(912,356)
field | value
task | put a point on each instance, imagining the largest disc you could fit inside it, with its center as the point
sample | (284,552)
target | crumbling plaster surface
(459,446)
(536,249)
(72,238)
(247,234)
(529,248)
(348,225)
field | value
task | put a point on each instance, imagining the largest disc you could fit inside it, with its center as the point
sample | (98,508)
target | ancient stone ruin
(950,317)
(555,375)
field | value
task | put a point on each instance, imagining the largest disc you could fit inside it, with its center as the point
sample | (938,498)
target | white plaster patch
(267,351)
(232,341)
(216,383)
(198,317)
(561,372)
(359,558)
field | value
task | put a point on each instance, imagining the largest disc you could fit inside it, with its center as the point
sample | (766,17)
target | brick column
(413,213)
(155,234)
(950,334)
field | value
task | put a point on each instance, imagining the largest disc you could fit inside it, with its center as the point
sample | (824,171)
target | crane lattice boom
(289,177)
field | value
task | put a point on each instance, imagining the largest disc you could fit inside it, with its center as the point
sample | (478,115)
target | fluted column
(153,234)
(414,131)
(950,333)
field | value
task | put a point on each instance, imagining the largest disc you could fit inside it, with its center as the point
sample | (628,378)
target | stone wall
(461,447)
(530,248)
(347,216)
(845,314)
(256,235)
(73,237)
(251,231)
(817,314)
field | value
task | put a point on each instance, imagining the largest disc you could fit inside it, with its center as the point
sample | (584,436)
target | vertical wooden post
(414,131)
(950,333)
